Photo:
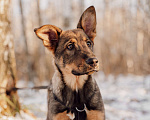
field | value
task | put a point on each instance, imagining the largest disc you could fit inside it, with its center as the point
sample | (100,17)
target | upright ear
(87,22)
(49,34)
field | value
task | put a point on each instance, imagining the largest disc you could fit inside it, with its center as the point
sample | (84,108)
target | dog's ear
(49,34)
(87,22)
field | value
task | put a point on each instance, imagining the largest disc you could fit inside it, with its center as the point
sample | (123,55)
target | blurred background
(122,42)
(122,46)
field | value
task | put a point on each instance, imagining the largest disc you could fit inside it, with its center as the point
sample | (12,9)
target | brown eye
(88,43)
(70,46)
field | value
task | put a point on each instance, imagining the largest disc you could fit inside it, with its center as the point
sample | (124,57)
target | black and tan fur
(72,84)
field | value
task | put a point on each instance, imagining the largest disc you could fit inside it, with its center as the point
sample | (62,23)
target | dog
(74,94)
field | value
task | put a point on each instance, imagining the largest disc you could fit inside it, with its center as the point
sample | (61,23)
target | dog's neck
(72,81)
(75,82)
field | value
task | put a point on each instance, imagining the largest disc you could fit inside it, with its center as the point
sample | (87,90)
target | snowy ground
(125,98)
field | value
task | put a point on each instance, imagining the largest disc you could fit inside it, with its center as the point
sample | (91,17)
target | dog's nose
(92,61)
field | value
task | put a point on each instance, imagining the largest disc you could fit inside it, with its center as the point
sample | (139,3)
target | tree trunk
(9,104)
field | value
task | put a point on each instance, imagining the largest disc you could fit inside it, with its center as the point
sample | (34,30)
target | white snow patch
(125,98)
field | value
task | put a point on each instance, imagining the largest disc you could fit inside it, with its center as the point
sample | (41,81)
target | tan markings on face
(74,59)
(84,38)
(74,40)
(61,116)
(95,115)
(70,41)
(79,41)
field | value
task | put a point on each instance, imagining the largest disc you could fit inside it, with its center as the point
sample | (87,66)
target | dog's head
(73,49)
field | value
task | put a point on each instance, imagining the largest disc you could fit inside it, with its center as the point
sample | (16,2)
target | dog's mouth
(74,72)
(86,71)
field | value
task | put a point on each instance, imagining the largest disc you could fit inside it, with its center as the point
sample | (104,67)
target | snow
(125,98)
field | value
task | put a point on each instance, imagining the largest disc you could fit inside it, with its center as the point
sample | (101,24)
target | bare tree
(9,104)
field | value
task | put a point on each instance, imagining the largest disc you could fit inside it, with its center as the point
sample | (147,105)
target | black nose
(91,61)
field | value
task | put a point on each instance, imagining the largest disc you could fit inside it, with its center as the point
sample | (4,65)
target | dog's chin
(74,72)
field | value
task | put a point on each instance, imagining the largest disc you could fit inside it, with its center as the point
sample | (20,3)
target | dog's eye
(70,46)
(88,43)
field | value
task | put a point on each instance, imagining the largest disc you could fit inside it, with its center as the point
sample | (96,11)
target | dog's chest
(76,103)
(73,97)
(74,100)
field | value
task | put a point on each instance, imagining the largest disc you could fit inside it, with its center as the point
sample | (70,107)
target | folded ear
(49,34)
(87,22)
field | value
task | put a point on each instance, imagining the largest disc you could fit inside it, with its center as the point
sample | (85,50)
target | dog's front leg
(95,115)
(61,116)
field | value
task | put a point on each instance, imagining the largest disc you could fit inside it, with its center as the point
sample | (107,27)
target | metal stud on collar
(81,110)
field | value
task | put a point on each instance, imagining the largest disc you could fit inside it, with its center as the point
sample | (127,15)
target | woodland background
(123,34)
(122,46)
(122,42)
